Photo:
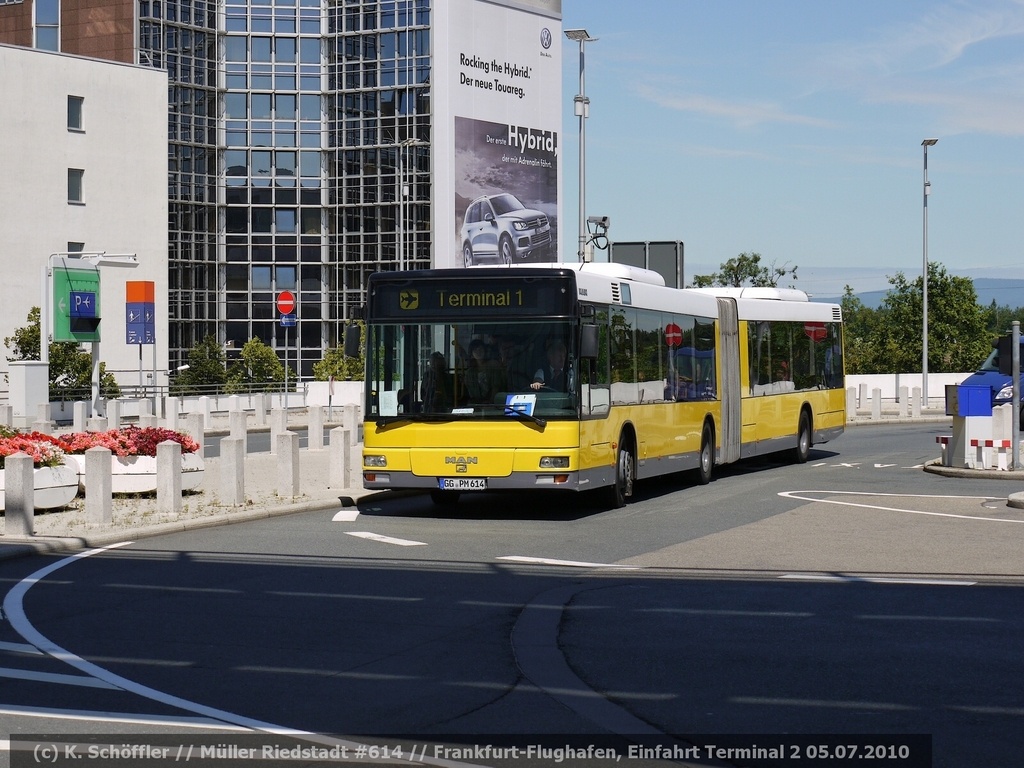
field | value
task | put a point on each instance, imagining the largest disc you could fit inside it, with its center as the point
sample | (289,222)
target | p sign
(673,335)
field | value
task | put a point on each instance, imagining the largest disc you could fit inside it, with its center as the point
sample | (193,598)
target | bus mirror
(352,340)
(588,342)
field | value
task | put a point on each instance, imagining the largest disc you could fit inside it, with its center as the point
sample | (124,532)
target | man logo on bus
(409,298)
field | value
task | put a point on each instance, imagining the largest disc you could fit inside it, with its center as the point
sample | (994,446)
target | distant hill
(1008,293)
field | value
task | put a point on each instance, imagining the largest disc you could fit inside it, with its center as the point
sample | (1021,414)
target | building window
(75,176)
(75,113)
(47,25)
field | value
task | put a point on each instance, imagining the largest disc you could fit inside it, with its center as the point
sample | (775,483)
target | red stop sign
(815,331)
(673,335)
(285,302)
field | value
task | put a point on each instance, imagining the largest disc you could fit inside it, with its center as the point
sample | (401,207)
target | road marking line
(54,677)
(877,579)
(346,516)
(117,717)
(20,648)
(569,563)
(795,495)
(386,539)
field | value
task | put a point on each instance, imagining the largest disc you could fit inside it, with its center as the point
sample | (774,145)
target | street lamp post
(924,278)
(403,192)
(582,110)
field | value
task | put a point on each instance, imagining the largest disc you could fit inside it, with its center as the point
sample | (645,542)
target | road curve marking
(796,495)
(14,608)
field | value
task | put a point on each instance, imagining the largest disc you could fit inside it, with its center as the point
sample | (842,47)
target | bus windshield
(496,369)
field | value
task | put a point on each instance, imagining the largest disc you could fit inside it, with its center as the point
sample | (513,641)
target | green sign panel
(76,304)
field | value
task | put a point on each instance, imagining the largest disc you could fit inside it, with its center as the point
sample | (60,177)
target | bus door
(731,394)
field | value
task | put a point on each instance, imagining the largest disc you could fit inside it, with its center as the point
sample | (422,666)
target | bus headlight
(554,462)
(1006,393)
(375,461)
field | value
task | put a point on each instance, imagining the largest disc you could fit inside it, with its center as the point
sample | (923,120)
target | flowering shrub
(45,452)
(127,441)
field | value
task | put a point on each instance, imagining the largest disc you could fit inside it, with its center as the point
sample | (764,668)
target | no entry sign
(285,302)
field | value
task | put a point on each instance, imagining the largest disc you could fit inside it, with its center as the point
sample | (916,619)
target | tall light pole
(403,193)
(924,279)
(582,110)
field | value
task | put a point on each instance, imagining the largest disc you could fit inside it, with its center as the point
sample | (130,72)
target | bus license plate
(463,483)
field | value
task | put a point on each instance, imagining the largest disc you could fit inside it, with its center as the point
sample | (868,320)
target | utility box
(965,400)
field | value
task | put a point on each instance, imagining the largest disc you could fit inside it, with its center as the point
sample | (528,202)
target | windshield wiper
(522,415)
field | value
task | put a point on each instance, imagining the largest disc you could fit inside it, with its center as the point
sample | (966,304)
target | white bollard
(19,494)
(98,424)
(261,409)
(195,426)
(6,415)
(915,404)
(876,404)
(903,402)
(172,407)
(851,402)
(99,497)
(113,414)
(79,417)
(287,464)
(168,478)
(42,424)
(315,428)
(237,427)
(278,426)
(339,473)
(232,470)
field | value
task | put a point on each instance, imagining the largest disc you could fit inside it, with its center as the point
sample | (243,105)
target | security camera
(602,221)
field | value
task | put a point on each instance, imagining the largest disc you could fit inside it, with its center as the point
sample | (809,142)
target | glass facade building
(298,155)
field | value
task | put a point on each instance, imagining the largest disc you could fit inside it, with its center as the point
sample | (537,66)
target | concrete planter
(137,474)
(55,487)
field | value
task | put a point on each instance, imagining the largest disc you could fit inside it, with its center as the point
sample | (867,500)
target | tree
(858,323)
(257,369)
(205,373)
(958,339)
(70,370)
(746,269)
(343,368)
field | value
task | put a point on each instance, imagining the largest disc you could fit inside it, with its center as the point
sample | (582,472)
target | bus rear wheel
(803,439)
(707,456)
(625,473)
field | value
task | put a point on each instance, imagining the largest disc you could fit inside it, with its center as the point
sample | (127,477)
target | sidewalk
(136,516)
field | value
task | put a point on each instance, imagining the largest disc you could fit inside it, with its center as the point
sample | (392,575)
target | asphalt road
(854,594)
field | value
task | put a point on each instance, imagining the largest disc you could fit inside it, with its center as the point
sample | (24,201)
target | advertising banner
(497,188)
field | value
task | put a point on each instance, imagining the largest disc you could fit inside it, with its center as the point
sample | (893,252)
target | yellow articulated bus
(587,377)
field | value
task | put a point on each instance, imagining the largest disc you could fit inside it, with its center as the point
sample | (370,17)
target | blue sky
(793,129)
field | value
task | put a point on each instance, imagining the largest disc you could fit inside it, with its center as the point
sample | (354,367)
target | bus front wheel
(625,469)
(803,439)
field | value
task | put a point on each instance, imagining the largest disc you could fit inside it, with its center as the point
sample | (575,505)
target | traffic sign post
(286,306)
